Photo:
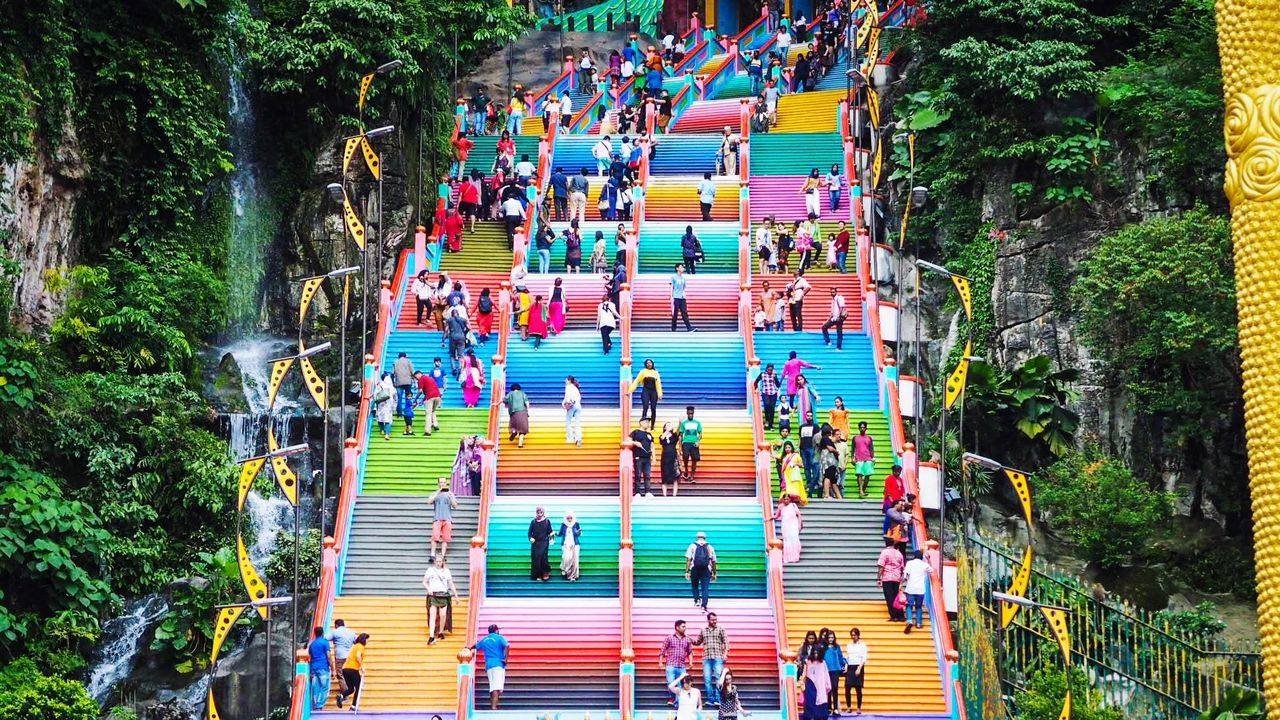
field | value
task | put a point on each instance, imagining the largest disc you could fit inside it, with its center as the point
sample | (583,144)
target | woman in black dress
(670,442)
(539,547)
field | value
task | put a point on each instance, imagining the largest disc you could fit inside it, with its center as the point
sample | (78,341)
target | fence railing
(1134,658)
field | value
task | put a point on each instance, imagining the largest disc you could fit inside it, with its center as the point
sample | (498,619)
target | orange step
(403,672)
(727,466)
(548,465)
(902,670)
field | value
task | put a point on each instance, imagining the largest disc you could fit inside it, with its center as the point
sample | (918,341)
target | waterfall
(252,217)
(121,637)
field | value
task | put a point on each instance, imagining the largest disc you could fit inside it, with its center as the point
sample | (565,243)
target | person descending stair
(642,458)
(438,582)
(690,445)
(688,699)
(443,503)
(650,384)
(679,304)
(570,535)
(540,541)
(669,440)
(700,568)
(495,649)
(674,656)
(788,512)
(572,404)
(607,319)
(715,652)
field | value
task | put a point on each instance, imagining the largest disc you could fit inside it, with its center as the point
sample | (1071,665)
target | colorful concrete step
(390,545)
(412,465)
(663,528)
(508,544)
(548,465)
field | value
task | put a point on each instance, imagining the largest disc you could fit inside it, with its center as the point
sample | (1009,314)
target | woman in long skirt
(460,478)
(817,686)
(472,376)
(570,546)
(484,315)
(792,523)
(791,473)
(539,546)
(557,308)
(517,403)
(538,321)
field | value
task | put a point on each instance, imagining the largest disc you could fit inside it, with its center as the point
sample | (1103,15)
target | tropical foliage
(1032,398)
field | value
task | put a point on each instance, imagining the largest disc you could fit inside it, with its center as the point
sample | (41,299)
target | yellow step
(902,673)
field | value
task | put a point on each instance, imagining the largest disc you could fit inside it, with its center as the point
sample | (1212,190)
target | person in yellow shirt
(838,417)
(523,303)
(650,383)
(353,671)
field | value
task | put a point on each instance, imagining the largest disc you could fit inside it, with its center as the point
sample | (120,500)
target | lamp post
(297,513)
(340,194)
(267,603)
(1056,616)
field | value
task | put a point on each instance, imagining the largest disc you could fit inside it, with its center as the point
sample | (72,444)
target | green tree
(27,694)
(1095,500)
(1042,699)
(1032,399)
(1157,303)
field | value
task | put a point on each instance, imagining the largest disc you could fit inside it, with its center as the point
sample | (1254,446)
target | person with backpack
(484,315)
(690,249)
(700,568)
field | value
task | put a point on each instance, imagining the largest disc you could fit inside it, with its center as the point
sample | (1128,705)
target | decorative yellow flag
(365,82)
(906,209)
(213,707)
(1057,618)
(955,381)
(315,385)
(310,287)
(252,581)
(1019,481)
(371,158)
(1018,588)
(871,19)
(279,369)
(226,620)
(286,478)
(965,289)
(354,226)
(873,109)
(249,470)
(349,152)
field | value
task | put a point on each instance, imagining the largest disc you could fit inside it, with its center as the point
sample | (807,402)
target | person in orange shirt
(353,672)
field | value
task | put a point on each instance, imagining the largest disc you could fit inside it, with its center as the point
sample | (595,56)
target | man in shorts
(690,436)
(443,504)
(495,648)
(864,457)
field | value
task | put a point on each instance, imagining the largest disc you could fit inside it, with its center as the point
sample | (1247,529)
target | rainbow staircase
(589,647)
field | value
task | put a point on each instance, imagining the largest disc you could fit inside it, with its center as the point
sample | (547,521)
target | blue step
(849,373)
(706,369)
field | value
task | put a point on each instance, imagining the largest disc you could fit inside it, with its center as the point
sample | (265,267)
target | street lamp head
(1015,600)
(340,272)
(925,265)
(379,132)
(919,196)
(975,359)
(857,78)
(387,67)
(290,450)
(335,191)
(981,461)
(322,347)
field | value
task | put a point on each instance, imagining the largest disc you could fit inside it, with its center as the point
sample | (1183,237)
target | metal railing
(1135,659)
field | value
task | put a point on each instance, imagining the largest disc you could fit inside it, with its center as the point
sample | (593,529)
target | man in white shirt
(343,638)
(513,213)
(566,110)
(603,153)
(915,581)
(628,69)
(706,196)
(836,319)
(668,42)
(525,169)
(771,95)
(796,290)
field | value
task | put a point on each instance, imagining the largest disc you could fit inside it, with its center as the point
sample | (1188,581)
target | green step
(795,153)
(486,151)
(877,428)
(662,529)
(508,545)
(411,465)
(483,250)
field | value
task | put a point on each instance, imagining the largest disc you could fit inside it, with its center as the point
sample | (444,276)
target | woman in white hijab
(570,547)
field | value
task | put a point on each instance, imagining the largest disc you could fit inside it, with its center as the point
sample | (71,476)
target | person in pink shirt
(791,370)
(889,577)
(864,458)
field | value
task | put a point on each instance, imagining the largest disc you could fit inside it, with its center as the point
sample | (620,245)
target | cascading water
(119,647)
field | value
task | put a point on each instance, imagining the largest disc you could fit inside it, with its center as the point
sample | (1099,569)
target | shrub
(26,694)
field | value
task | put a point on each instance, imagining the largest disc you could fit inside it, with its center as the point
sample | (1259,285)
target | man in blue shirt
(560,184)
(678,304)
(321,669)
(495,648)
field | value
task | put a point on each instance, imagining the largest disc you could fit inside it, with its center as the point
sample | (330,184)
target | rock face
(535,60)
(37,208)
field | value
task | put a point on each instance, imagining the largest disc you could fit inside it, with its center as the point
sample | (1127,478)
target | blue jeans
(915,606)
(755,85)
(477,122)
(320,680)
(711,669)
(672,674)
(700,580)
(810,457)
(404,395)
(841,259)
(514,124)
(544,260)
(835,199)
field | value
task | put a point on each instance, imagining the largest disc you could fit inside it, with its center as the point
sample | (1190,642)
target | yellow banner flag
(349,152)
(252,581)
(279,369)
(371,158)
(1020,486)
(354,226)
(213,707)
(249,470)
(226,620)
(365,82)
(873,109)
(965,289)
(315,385)
(955,381)
(310,287)
(1057,618)
(286,478)
(1009,611)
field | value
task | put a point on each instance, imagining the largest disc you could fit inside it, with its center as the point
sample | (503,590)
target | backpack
(485,305)
(702,556)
